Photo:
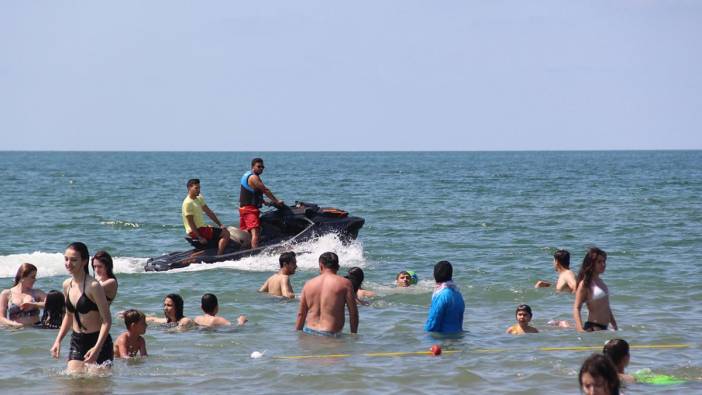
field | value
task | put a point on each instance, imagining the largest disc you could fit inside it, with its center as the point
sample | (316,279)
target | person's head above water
(617,350)
(26,271)
(356,276)
(209,304)
(403,279)
(598,376)
(288,262)
(443,271)
(54,309)
(102,261)
(132,317)
(525,311)
(78,257)
(329,260)
(173,307)
(562,258)
(593,263)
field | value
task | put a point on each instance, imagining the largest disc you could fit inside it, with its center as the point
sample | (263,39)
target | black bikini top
(83,306)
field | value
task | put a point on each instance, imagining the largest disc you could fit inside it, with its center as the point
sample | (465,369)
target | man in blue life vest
(251,200)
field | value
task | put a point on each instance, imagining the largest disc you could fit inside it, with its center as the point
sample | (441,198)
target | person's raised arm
(353,308)
(302,312)
(98,294)
(580,297)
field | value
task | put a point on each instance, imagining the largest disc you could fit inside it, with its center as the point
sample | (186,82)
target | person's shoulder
(122,337)
(185,321)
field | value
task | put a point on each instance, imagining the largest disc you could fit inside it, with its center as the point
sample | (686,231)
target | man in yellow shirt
(194,222)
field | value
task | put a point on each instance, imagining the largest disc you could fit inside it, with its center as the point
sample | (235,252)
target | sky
(375,75)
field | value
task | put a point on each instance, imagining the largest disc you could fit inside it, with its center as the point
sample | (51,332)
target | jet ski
(280,228)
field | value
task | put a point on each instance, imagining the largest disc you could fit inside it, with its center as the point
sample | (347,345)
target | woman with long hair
(88,314)
(54,310)
(19,305)
(173,313)
(593,292)
(102,269)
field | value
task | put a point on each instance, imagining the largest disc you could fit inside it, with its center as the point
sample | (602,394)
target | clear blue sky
(361,75)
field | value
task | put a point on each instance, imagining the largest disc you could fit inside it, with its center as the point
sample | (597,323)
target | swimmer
(173,312)
(598,376)
(131,342)
(566,278)
(19,305)
(617,350)
(210,307)
(523,315)
(54,310)
(279,283)
(593,291)
(403,279)
(102,269)
(89,315)
(355,275)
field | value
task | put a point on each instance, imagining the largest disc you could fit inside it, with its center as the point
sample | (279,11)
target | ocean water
(497,216)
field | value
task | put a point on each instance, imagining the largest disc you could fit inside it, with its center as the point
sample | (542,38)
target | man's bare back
(278,285)
(323,299)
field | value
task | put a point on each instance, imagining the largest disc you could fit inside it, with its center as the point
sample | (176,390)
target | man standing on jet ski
(251,200)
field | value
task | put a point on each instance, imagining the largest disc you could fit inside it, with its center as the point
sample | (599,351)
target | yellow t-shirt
(193,207)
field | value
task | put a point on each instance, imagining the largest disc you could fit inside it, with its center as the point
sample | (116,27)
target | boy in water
(566,277)
(524,315)
(279,283)
(131,342)
(404,279)
(617,350)
(210,306)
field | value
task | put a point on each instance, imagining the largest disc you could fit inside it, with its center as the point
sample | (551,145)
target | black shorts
(82,342)
(594,326)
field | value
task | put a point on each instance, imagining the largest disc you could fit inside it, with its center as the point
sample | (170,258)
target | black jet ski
(279,229)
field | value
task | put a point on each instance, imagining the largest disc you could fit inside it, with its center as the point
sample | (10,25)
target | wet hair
(525,308)
(106,259)
(178,304)
(193,181)
(132,317)
(23,271)
(286,257)
(356,277)
(401,273)
(330,260)
(563,258)
(599,366)
(616,350)
(209,303)
(443,271)
(256,160)
(82,250)
(54,310)
(588,267)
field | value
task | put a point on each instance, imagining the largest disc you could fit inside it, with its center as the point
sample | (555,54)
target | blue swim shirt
(446,312)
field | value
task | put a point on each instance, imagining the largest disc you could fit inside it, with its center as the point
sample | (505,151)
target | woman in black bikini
(88,314)
(102,270)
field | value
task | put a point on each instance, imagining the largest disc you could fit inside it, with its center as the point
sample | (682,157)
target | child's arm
(142,347)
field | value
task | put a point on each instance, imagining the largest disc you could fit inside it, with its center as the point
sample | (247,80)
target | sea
(498,217)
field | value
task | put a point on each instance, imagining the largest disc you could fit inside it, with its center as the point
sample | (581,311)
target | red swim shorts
(248,217)
(207,232)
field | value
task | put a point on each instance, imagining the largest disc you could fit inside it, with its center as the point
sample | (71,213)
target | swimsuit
(83,306)
(82,342)
(594,326)
(318,332)
(14,311)
(597,292)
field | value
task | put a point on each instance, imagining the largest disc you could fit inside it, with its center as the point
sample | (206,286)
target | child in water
(131,342)
(406,278)
(566,277)
(617,350)
(523,315)
(210,306)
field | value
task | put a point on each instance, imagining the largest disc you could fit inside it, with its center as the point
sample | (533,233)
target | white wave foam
(307,257)
(51,264)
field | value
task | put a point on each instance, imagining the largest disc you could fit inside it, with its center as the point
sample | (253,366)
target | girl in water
(173,312)
(355,275)
(88,314)
(102,269)
(593,291)
(598,376)
(54,310)
(19,305)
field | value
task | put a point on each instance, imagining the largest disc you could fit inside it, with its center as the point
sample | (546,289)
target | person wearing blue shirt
(447,306)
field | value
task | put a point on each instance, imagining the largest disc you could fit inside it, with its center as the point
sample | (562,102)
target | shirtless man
(566,277)
(210,307)
(279,283)
(322,301)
